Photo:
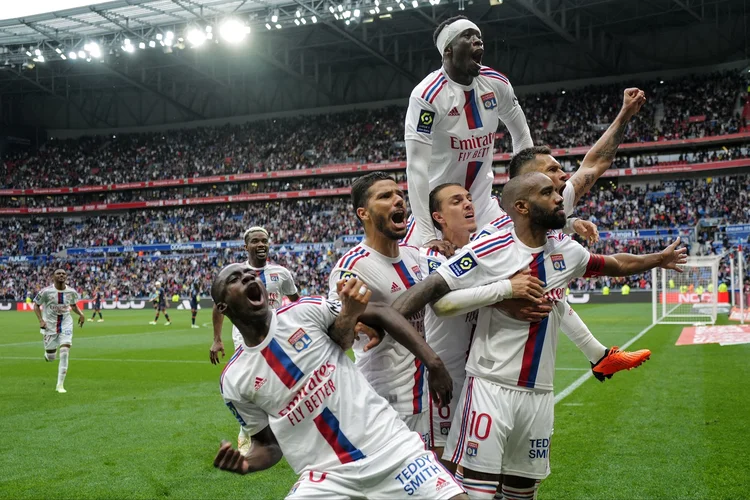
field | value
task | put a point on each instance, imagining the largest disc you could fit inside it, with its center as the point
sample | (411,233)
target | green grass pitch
(143,416)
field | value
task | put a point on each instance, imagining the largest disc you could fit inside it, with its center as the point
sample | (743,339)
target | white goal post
(687,298)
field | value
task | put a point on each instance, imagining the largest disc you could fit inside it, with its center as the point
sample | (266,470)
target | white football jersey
(55,306)
(319,406)
(507,351)
(392,370)
(460,123)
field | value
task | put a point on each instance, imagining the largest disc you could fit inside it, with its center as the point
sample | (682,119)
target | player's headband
(451,31)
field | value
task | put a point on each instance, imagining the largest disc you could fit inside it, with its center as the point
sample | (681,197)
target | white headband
(451,31)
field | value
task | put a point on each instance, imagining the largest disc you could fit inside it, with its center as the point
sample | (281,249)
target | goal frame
(666,313)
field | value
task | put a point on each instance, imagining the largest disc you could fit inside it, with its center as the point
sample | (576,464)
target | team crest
(472,448)
(463,265)
(489,100)
(417,272)
(445,428)
(274,277)
(558,262)
(300,340)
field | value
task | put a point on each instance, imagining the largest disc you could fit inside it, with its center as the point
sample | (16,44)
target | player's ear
(362,214)
(221,307)
(521,206)
(438,218)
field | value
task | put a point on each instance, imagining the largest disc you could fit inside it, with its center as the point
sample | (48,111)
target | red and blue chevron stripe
(282,364)
(490,245)
(226,368)
(501,222)
(351,258)
(328,425)
(472,170)
(459,451)
(60,300)
(532,352)
(403,273)
(473,118)
(434,88)
(495,75)
(314,299)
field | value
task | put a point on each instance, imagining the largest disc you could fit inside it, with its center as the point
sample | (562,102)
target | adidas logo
(454,112)
(259,381)
(441,483)
(395,288)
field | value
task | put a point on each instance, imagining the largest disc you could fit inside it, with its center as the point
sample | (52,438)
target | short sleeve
(336,275)
(484,261)
(249,415)
(75,296)
(40,298)
(569,199)
(582,262)
(421,117)
(430,261)
(288,286)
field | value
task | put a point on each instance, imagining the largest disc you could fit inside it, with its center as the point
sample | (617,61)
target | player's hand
(442,246)
(354,296)
(632,102)
(230,460)
(586,230)
(42,324)
(81,320)
(671,257)
(523,310)
(440,383)
(374,334)
(216,348)
(526,286)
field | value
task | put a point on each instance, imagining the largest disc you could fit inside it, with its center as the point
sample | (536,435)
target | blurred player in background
(194,298)
(52,307)
(277,280)
(505,413)
(388,269)
(160,300)
(291,385)
(451,124)
(97,305)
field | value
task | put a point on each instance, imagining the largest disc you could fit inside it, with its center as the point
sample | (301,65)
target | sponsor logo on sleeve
(426,119)
(463,265)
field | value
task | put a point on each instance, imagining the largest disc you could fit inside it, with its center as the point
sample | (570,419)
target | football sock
(459,477)
(50,356)
(194,313)
(480,490)
(62,370)
(576,330)
(510,493)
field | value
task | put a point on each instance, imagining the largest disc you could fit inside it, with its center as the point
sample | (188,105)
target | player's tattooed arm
(421,294)
(264,454)
(600,157)
(354,296)
(625,264)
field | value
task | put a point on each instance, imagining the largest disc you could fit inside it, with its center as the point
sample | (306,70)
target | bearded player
(277,280)
(52,307)
(505,413)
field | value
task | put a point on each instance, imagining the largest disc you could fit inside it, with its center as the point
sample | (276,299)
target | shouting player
(291,385)
(389,269)
(277,280)
(52,307)
(451,124)
(160,304)
(97,306)
(503,422)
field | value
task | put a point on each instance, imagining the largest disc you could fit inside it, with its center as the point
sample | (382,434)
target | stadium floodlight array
(689,297)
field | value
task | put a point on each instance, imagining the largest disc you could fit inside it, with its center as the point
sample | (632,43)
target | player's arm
(421,117)
(217,319)
(81,317)
(290,289)
(265,452)
(625,264)
(354,296)
(421,294)
(512,115)
(600,157)
(38,312)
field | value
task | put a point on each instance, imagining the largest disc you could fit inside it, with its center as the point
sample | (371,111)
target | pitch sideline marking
(583,378)
(32,358)
(78,339)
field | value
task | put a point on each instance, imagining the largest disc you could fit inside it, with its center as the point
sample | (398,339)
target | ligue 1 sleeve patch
(433,265)
(345,275)
(489,100)
(463,265)
(426,119)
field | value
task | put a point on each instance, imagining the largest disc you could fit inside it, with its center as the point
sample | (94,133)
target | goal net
(689,297)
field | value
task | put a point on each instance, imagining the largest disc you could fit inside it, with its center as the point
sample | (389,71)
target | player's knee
(64,348)
(460,496)
(50,355)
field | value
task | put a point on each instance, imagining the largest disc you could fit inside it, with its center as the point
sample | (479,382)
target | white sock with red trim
(62,369)
(510,493)
(480,490)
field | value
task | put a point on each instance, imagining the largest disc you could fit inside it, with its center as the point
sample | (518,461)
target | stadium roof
(309,53)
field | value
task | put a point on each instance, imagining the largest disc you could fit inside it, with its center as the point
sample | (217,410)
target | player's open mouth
(476,56)
(254,293)
(469,215)
(398,218)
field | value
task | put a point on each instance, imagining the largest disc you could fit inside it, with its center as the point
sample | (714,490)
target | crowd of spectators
(694,106)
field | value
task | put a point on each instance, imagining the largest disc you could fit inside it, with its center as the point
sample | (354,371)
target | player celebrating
(194,297)
(278,281)
(52,307)
(160,304)
(291,385)
(97,306)
(451,124)
(389,270)
(511,364)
